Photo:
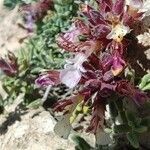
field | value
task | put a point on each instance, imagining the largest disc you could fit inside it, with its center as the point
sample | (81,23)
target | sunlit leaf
(63,127)
(145,82)
(81,144)
(102,138)
(133,139)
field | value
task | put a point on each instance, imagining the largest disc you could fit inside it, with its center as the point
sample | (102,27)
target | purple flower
(126,89)
(118,65)
(77,29)
(99,46)
(9,65)
(34,12)
(29,22)
(113,63)
(49,78)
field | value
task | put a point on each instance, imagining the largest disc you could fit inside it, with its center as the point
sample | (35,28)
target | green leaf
(122,128)
(12,3)
(146,106)
(144,82)
(35,104)
(146,121)
(41,51)
(81,144)
(147,87)
(140,129)
(63,127)
(133,120)
(133,139)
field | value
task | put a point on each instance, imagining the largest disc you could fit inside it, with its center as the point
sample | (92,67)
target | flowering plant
(9,66)
(98,41)
(34,12)
(12,4)
(39,53)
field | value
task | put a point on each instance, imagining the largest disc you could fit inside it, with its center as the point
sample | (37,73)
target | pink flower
(118,65)
(9,65)
(113,63)
(48,78)
(99,46)
(78,28)
(126,89)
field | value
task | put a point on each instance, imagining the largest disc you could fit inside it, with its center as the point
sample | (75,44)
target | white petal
(110,35)
(82,69)
(118,32)
(80,58)
(72,34)
(70,77)
(145,8)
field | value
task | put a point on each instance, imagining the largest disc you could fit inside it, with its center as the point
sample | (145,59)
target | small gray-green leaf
(144,81)
(63,127)
(122,128)
(140,129)
(102,138)
(146,121)
(132,119)
(133,139)
(35,104)
(81,143)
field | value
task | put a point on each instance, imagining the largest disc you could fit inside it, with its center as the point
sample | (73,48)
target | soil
(11,34)
(30,130)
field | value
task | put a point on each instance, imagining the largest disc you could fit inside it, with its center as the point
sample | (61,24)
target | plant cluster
(58,21)
(98,42)
(12,3)
(36,56)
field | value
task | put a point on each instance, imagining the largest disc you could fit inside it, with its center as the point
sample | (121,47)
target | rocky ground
(11,33)
(23,129)
(30,130)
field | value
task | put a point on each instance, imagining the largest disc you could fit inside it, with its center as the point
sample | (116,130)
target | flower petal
(140,97)
(66,44)
(100,31)
(70,76)
(9,65)
(134,3)
(126,89)
(118,7)
(105,5)
(48,78)
(118,32)
(96,17)
(118,65)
